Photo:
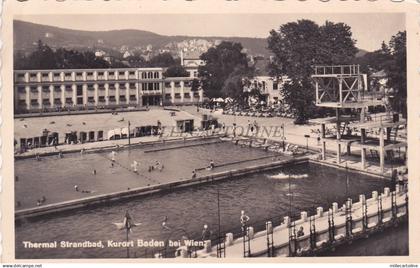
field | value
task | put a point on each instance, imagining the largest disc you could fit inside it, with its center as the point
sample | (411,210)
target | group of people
(157,166)
(76,188)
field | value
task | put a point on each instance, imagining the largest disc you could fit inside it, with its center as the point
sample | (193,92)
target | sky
(369,29)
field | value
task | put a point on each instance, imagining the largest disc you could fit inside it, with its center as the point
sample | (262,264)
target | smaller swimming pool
(55,177)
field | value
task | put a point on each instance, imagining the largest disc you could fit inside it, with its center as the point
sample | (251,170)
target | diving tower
(345,88)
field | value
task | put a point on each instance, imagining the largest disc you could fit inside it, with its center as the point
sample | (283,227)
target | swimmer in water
(157,164)
(76,188)
(211,166)
(38,158)
(113,153)
(94,172)
(134,165)
(164,224)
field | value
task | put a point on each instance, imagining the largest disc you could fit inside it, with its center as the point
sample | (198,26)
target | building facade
(269,87)
(191,62)
(178,91)
(78,89)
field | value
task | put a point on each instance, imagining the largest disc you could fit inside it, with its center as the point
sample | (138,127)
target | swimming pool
(261,195)
(55,177)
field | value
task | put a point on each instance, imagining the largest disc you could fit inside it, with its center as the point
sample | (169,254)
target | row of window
(22,89)
(101,99)
(145,86)
(178,84)
(69,100)
(178,95)
(150,75)
(150,86)
(90,74)
(68,76)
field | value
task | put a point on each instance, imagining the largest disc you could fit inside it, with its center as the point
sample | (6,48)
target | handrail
(351,69)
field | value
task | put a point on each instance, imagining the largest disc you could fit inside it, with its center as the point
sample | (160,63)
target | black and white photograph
(219,136)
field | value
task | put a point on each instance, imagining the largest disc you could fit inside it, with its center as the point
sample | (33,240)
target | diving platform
(343,86)
(351,104)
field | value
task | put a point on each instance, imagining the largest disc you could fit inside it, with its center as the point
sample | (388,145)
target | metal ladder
(349,220)
(394,208)
(246,242)
(365,216)
(331,227)
(270,240)
(380,211)
(312,232)
(292,239)
(221,247)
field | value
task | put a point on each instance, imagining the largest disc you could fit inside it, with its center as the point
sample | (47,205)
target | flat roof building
(79,89)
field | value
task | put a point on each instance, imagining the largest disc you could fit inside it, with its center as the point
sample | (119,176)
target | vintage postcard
(210,131)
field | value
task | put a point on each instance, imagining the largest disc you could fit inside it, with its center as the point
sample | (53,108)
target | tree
(374,61)
(176,71)
(46,58)
(397,72)
(162,60)
(136,61)
(233,86)
(297,46)
(42,57)
(220,62)
(195,84)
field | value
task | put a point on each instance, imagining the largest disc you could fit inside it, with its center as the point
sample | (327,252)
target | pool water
(188,209)
(55,177)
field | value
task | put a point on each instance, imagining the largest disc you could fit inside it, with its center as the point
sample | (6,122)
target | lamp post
(347,182)
(129,139)
(291,226)
(283,137)
(307,142)
(127,224)
(219,253)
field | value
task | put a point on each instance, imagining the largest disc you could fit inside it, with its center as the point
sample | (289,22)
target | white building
(178,91)
(268,86)
(191,61)
(77,89)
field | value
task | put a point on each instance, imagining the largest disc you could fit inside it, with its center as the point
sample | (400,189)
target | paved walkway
(268,128)
(295,134)
(281,233)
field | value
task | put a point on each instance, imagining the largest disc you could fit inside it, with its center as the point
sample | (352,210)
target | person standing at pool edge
(244,220)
